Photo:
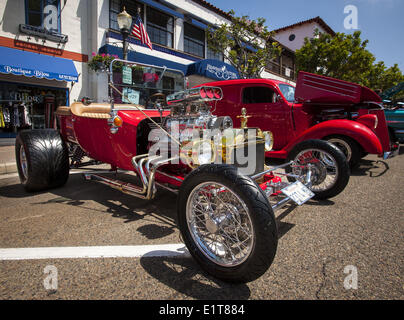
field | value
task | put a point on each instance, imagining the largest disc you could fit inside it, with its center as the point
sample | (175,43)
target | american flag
(139,31)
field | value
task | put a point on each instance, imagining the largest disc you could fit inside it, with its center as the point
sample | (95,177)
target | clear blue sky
(381,21)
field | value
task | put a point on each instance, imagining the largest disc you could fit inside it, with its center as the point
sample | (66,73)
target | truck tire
(42,159)
(329,166)
(350,148)
(227,223)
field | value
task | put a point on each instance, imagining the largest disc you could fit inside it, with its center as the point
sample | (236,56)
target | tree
(243,43)
(345,57)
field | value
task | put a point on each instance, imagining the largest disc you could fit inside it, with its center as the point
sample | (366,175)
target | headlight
(269,140)
(203,153)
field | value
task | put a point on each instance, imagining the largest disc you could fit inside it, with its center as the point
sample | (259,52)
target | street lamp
(124,23)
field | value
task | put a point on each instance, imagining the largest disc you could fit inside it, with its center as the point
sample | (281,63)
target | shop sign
(43,33)
(127,75)
(25,97)
(221,73)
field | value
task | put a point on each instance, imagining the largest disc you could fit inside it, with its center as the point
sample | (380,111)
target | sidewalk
(7,160)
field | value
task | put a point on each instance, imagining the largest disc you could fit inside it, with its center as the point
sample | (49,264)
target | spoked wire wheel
(323,166)
(328,166)
(227,223)
(219,223)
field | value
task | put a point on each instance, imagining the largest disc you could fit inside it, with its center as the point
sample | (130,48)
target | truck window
(258,95)
(288,92)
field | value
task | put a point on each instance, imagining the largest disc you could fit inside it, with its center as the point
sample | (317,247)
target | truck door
(266,112)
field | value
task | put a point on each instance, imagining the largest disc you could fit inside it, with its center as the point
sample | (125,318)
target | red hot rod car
(346,114)
(224,214)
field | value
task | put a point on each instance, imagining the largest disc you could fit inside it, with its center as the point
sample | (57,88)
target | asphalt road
(362,227)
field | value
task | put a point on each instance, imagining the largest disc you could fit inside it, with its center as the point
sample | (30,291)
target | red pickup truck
(343,113)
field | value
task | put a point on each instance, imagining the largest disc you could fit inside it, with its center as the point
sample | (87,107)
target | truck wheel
(329,167)
(42,159)
(227,223)
(349,147)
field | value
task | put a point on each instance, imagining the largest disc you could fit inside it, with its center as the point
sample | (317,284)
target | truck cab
(346,114)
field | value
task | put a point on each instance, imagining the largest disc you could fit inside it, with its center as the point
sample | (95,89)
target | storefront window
(28,107)
(214,55)
(160,27)
(194,40)
(43,13)
(144,82)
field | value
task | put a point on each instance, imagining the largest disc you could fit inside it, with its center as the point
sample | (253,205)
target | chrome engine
(191,110)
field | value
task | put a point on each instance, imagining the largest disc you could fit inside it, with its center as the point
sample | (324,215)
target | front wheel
(328,166)
(227,223)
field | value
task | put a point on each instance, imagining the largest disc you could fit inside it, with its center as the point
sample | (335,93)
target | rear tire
(331,169)
(217,203)
(42,159)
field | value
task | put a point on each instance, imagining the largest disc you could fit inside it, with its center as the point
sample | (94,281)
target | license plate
(298,192)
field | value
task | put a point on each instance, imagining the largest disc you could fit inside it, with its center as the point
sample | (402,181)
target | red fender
(355,130)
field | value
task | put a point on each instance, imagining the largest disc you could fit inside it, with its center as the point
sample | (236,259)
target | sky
(380,21)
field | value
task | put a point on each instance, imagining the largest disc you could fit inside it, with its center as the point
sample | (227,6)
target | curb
(8,167)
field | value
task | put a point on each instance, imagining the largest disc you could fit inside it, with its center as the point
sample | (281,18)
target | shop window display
(28,107)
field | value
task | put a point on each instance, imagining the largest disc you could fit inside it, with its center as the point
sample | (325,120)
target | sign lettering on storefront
(221,73)
(127,75)
(25,97)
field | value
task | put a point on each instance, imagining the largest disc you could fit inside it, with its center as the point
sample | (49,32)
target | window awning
(32,64)
(213,69)
(163,8)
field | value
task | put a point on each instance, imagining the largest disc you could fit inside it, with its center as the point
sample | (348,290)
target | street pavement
(7,159)
(321,244)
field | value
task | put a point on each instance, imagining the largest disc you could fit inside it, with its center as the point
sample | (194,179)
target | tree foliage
(243,43)
(345,57)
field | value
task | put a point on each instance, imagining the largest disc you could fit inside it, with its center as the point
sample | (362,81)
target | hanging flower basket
(101,62)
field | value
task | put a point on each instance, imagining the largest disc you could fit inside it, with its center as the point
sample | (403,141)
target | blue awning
(37,65)
(163,8)
(199,24)
(213,69)
(144,58)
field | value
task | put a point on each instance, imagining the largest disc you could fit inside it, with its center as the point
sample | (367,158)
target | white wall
(301,32)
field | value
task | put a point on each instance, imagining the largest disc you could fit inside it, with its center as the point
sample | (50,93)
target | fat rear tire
(46,161)
(340,161)
(265,236)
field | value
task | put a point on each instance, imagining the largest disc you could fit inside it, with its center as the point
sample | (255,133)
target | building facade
(46,44)
(293,36)
(44,48)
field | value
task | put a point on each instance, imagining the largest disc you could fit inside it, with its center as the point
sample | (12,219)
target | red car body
(118,148)
(322,107)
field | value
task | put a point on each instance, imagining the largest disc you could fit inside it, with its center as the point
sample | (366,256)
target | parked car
(224,214)
(394,111)
(346,114)
(395,122)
